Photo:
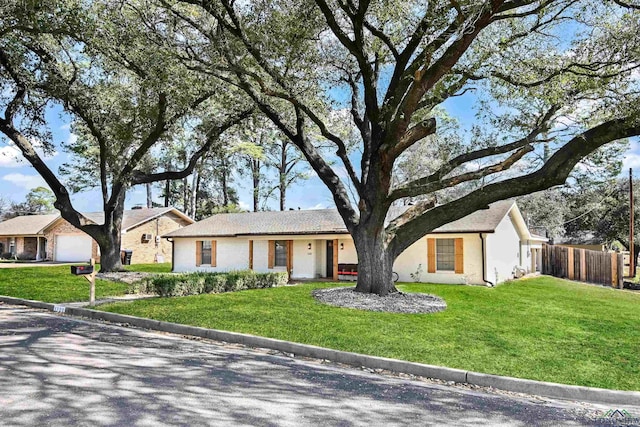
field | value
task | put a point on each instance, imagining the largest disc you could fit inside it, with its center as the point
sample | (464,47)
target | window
(280,253)
(445,254)
(205,252)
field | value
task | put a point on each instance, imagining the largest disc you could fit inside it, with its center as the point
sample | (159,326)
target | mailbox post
(89,273)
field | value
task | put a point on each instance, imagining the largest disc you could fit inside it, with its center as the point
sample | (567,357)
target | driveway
(60,371)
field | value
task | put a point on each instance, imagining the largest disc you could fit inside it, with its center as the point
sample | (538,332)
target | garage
(72,248)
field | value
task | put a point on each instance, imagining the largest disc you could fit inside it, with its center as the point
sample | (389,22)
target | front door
(329,258)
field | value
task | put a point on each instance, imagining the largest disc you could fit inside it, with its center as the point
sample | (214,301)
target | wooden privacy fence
(602,268)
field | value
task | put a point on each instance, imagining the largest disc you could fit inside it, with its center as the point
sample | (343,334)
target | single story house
(50,237)
(488,246)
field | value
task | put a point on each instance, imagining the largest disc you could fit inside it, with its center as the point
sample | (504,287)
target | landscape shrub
(181,284)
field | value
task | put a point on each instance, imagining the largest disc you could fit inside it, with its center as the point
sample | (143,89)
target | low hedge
(175,285)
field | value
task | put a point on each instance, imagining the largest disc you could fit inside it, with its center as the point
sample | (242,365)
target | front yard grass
(543,329)
(53,284)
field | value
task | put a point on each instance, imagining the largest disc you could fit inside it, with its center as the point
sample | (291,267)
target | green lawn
(543,329)
(52,284)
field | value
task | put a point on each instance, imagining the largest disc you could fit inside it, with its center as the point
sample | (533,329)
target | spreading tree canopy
(124,93)
(559,72)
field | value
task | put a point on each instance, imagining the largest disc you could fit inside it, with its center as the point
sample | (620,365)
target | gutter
(484,262)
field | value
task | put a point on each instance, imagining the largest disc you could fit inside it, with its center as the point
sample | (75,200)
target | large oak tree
(562,72)
(123,92)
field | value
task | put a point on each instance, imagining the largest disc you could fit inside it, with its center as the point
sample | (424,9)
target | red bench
(348,272)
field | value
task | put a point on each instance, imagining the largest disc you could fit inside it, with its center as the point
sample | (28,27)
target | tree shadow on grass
(59,371)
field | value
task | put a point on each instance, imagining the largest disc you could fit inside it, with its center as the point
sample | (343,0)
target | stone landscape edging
(540,388)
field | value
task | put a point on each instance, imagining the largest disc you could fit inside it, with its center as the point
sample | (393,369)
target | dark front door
(329,258)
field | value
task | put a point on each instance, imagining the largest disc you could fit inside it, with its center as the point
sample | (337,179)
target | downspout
(484,261)
(173,253)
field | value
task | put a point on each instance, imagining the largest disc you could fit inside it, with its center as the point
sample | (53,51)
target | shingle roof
(321,221)
(484,220)
(26,225)
(34,224)
(132,217)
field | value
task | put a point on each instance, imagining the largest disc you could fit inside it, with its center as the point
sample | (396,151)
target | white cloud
(318,206)
(11,157)
(25,181)
(632,157)
(245,206)
(72,138)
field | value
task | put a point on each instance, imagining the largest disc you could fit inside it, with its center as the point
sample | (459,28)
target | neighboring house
(583,241)
(486,246)
(50,237)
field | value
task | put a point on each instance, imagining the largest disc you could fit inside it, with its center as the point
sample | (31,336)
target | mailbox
(80,270)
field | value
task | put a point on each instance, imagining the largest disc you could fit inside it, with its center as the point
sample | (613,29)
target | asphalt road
(56,370)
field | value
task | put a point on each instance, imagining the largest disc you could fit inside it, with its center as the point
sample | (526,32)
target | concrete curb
(539,388)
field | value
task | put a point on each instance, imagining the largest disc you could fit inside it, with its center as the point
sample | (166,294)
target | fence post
(620,271)
(583,265)
(614,269)
(570,263)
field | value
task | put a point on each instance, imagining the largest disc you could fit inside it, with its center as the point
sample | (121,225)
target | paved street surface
(56,370)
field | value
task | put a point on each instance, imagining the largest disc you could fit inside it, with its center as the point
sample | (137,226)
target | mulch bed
(398,302)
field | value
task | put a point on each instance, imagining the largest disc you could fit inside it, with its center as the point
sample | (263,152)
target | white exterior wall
(503,251)
(347,252)
(416,254)
(304,259)
(231,254)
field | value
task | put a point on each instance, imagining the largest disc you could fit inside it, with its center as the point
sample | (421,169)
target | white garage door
(72,248)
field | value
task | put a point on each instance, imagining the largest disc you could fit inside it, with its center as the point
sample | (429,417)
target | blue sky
(17,177)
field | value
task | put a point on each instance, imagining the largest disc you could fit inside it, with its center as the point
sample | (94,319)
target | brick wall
(144,252)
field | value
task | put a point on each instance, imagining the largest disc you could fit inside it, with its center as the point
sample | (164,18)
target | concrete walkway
(61,371)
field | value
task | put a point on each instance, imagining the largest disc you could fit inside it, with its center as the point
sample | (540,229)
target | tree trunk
(375,264)
(282,186)
(194,194)
(167,190)
(185,194)
(149,196)
(255,173)
(110,256)
(283,196)
(109,237)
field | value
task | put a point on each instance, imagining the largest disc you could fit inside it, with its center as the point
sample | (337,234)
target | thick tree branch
(554,172)
(213,135)
(357,49)
(419,187)
(541,127)
(124,177)
(413,135)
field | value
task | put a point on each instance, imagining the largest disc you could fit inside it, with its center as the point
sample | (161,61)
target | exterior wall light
(341,246)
